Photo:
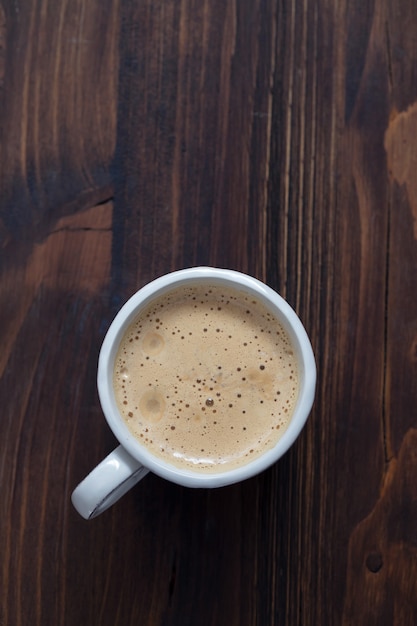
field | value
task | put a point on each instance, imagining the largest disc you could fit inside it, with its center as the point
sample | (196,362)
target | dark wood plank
(381,548)
(59,107)
(271,137)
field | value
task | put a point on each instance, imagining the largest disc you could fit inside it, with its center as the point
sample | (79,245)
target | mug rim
(286,316)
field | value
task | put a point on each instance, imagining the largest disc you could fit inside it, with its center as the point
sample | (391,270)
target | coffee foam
(206,378)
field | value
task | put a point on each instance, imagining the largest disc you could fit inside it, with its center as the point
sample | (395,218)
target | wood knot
(374,562)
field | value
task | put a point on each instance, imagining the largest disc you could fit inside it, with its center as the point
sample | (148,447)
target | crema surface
(206,378)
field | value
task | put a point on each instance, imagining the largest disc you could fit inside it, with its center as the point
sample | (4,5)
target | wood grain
(59,100)
(275,138)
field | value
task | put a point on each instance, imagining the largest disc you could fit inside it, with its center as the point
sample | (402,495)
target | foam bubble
(153,343)
(152,405)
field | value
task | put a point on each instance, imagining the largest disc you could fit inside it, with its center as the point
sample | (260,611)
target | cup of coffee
(206,377)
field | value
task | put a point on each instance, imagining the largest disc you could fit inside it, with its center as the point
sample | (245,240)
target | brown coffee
(206,378)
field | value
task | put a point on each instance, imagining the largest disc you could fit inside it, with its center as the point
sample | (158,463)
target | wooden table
(276,138)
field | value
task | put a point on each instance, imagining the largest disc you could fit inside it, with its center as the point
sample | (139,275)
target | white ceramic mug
(131,461)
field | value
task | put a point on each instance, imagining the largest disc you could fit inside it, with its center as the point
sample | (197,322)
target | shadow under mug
(131,461)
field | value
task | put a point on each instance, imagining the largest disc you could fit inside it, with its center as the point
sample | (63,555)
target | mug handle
(107,482)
